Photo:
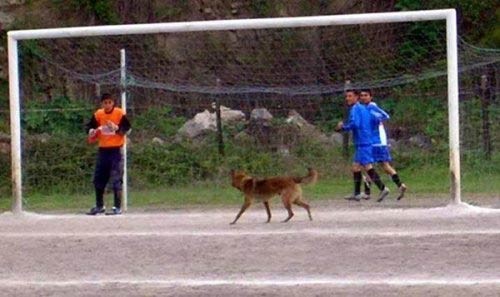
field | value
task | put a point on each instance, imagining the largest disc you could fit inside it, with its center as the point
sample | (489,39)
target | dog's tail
(310,178)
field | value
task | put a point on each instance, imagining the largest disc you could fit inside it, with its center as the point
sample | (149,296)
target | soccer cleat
(353,197)
(96,210)
(114,211)
(365,196)
(383,194)
(402,190)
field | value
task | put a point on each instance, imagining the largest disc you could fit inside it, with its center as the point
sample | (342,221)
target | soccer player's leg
(357,177)
(367,155)
(101,177)
(383,155)
(117,181)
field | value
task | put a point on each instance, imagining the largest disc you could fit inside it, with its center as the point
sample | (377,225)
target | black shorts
(109,168)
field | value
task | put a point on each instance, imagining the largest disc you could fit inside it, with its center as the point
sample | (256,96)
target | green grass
(422,182)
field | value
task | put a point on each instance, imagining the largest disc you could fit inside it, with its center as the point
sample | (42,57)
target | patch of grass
(430,181)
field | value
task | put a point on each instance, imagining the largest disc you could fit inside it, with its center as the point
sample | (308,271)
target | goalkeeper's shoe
(383,194)
(114,211)
(402,190)
(353,197)
(96,210)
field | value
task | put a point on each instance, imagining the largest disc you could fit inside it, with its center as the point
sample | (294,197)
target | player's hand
(92,132)
(339,126)
(112,126)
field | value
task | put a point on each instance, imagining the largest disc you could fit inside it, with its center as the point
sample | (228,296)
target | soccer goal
(182,68)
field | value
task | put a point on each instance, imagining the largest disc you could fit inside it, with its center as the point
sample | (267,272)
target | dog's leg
(245,205)
(299,202)
(268,210)
(286,198)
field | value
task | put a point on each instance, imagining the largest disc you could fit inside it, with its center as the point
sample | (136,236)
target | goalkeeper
(108,126)
(381,153)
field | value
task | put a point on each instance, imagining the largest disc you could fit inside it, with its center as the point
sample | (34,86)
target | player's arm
(378,112)
(124,126)
(353,121)
(91,125)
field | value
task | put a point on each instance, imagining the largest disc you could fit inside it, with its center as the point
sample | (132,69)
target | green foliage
(154,165)
(492,37)
(4,106)
(169,11)
(58,116)
(475,17)
(414,51)
(29,48)
(262,8)
(258,162)
(57,164)
(5,173)
(158,121)
(428,116)
(29,51)
(102,10)
(331,111)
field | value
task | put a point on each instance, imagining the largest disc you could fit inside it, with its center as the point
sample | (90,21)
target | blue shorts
(363,155)
(381,154)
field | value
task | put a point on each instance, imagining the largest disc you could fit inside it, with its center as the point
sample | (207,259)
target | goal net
(278,84)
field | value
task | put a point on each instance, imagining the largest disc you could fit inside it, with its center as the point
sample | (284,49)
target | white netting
(178,75)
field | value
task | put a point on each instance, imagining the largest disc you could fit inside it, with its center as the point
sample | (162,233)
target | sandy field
(350,249)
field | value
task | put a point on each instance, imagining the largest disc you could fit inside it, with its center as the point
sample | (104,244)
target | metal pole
(15,126)
(123,83)
(485,115)
(345,115)
(453,108)
(220,137)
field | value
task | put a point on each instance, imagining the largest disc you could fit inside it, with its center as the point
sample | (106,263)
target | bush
(58,116)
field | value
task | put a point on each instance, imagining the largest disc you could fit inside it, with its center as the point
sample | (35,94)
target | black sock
(99,197)
(395,179)
(118,199)
(357,182)
(376,179)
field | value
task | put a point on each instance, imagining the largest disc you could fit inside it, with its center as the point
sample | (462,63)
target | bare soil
(413,248)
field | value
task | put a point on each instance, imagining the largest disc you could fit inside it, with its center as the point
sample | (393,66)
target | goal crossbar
(449,15)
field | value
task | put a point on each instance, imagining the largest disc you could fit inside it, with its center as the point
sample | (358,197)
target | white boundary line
(452,210)
(239,232)
(259,282)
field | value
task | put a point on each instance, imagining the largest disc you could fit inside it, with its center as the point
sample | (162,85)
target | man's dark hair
(106,96)
(367,90)
(356,92)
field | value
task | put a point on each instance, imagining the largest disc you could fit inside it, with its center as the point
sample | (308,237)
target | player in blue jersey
(359,122)
(381,152)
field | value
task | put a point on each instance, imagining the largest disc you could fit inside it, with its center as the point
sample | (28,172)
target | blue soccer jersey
(378,116)
(359,122)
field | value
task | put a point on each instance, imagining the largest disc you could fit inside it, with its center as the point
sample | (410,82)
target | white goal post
(449,15)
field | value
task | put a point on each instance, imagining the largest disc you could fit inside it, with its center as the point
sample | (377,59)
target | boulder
(206,121)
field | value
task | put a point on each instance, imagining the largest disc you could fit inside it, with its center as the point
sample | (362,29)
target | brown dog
(287,187)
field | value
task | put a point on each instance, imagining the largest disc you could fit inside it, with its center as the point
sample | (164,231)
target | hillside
(170,78)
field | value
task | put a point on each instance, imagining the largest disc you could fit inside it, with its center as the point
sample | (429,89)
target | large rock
(260,115)
(294,118)
(305,129)
(206,121)
(229,115)
(4,3)
(202,122)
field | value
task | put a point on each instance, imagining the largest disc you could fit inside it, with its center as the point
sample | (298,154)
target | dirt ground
(415,248)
